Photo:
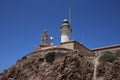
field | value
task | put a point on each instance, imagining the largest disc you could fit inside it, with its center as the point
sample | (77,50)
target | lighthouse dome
(65,23)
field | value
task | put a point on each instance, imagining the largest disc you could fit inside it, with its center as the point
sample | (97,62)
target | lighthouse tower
(65,30)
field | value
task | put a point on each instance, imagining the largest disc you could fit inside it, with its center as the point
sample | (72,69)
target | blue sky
(95,23)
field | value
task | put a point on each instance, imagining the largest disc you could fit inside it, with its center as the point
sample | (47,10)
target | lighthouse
(65,30)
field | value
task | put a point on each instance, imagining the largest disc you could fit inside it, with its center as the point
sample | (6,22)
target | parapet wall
(112,48)
(75,46)
(42,52)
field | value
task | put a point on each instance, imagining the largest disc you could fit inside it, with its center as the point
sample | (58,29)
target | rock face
(109,70)
(62,64)
(69,65)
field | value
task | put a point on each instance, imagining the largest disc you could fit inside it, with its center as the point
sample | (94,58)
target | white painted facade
(64,38)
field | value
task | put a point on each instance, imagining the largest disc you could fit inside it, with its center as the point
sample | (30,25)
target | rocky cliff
(109,66)
(70,65)
(62,64)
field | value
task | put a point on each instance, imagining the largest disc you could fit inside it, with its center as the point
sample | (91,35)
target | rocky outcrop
(63,64)
(109,70)
(66,66)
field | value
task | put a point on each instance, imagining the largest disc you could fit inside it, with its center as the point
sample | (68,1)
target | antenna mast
(70,18)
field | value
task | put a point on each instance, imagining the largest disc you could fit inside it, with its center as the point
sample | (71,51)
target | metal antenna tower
(45,38)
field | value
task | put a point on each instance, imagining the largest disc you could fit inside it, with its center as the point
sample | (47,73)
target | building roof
(106,47)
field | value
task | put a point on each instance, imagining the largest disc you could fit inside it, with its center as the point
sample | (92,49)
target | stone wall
(75,46)
(113,49)
(68,45)
(42,52)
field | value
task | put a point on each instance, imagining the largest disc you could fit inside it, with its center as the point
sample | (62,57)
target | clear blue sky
(95,23)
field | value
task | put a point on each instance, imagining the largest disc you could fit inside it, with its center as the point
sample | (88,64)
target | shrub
(25,57)
(117,53)
(107,57)
(50,57)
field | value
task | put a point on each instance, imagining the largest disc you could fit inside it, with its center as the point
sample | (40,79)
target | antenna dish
(51,43)
(51,38)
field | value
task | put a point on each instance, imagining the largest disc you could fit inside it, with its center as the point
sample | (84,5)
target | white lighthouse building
(65,30)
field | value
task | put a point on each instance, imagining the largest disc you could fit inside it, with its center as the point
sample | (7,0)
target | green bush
(117,53)
(50,57)
(24,58)
(107,57)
